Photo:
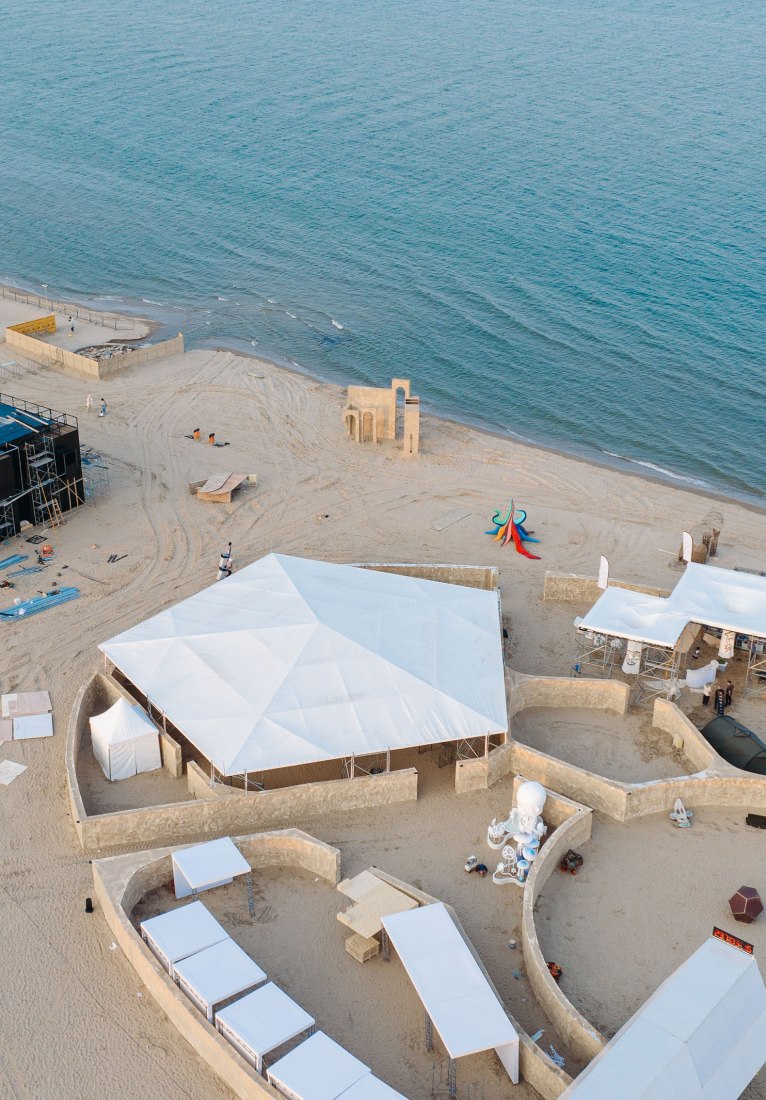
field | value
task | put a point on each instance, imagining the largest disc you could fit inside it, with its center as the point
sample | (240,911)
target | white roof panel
(265,1019)
(371,1088)
(700,1036)
(206,864)
(219,972)
(184,931)
(705,594)
(318,1069)
(291,661)
(455,992)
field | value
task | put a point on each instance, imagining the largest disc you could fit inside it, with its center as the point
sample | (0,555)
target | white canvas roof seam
(412,662)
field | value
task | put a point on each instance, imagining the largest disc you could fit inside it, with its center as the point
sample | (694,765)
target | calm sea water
(549,214)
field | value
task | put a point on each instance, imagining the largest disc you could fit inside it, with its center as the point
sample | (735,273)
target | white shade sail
(262,1021)
(293,661)
(452,986)
(125,742)
(204,866)
(705,594)
(700,1036)
(216,974)
(182,932)
(318,1069)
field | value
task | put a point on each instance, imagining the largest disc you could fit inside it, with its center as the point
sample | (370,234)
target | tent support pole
(245,778)
(353,767)
(388,760)
(486,745)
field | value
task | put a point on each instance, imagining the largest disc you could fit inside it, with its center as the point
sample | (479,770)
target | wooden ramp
(221,487)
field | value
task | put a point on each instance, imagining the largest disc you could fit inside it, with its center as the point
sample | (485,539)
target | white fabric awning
(293,661)
(217,973)
(371,1088)
(700,1036)
(318,1069)
(182,932)
(205,866)
(452,986)
(705,594)
(262,1021)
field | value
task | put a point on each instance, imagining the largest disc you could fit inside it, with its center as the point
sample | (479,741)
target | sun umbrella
(746,904)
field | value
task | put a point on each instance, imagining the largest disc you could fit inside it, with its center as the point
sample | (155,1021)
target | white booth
(217,974)
(261,1022)
(125,742)
(318,1069)
(204,866)
(182,932)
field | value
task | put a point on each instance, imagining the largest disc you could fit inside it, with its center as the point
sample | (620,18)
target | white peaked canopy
(705,594)
(125,741)
(318,1069)
(700,1036)
(205,866)
(454,990)
(293,661)
(216,974)
(261,1022)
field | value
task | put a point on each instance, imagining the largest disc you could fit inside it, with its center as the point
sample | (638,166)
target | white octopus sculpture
(518,838)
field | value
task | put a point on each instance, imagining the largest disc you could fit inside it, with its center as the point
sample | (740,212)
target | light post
(47,299)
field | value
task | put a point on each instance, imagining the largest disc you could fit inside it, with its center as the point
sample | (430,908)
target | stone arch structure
(370,414)
(351,420)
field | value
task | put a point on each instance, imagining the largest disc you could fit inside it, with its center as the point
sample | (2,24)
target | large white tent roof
(292,661)
(705,594)
(318,1069)
(700,1036)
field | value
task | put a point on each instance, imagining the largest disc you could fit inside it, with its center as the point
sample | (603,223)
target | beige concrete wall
(484,771)
(80,365)
(584,1039)
(571,586)
(172,757)
(564,691)
(120,883)
(606,795)
(485,577)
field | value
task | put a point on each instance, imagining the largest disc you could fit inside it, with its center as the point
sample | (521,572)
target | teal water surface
(549,215)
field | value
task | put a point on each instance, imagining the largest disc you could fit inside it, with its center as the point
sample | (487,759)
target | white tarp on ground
(216,974)
(293,661)
(705,594)
(454,990)
(700,1036)
(125,742)
(318,1069)
(261,1022)
(205,866)
(182,932)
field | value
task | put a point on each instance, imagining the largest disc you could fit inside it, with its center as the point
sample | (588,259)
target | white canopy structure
(371,1088)
(293,661)
(318,1069)
(720,598)
(217,974)
(205,866)
(125,741)
(261,1022)
(454,990)
(700,1036)
(181,932)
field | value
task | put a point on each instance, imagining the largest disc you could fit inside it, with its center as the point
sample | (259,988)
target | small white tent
(125,741)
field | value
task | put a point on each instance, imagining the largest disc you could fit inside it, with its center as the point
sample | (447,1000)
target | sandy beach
(74,1003)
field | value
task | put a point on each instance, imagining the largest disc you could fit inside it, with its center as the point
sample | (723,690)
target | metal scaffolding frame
(658,674)
(595,655)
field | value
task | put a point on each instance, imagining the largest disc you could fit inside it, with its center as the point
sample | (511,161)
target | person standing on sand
(89,402)
(729,693)
(705,694)
(103,407)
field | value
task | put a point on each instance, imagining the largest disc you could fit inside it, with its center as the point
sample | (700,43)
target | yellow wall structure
(40,324)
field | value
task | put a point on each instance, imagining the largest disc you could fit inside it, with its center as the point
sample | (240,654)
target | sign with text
(733,941)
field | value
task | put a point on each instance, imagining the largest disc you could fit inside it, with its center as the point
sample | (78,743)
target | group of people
(89,405)
(722,698)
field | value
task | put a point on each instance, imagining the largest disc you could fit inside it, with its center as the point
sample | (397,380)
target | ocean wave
(697,482)
(152,302)
(337,324)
